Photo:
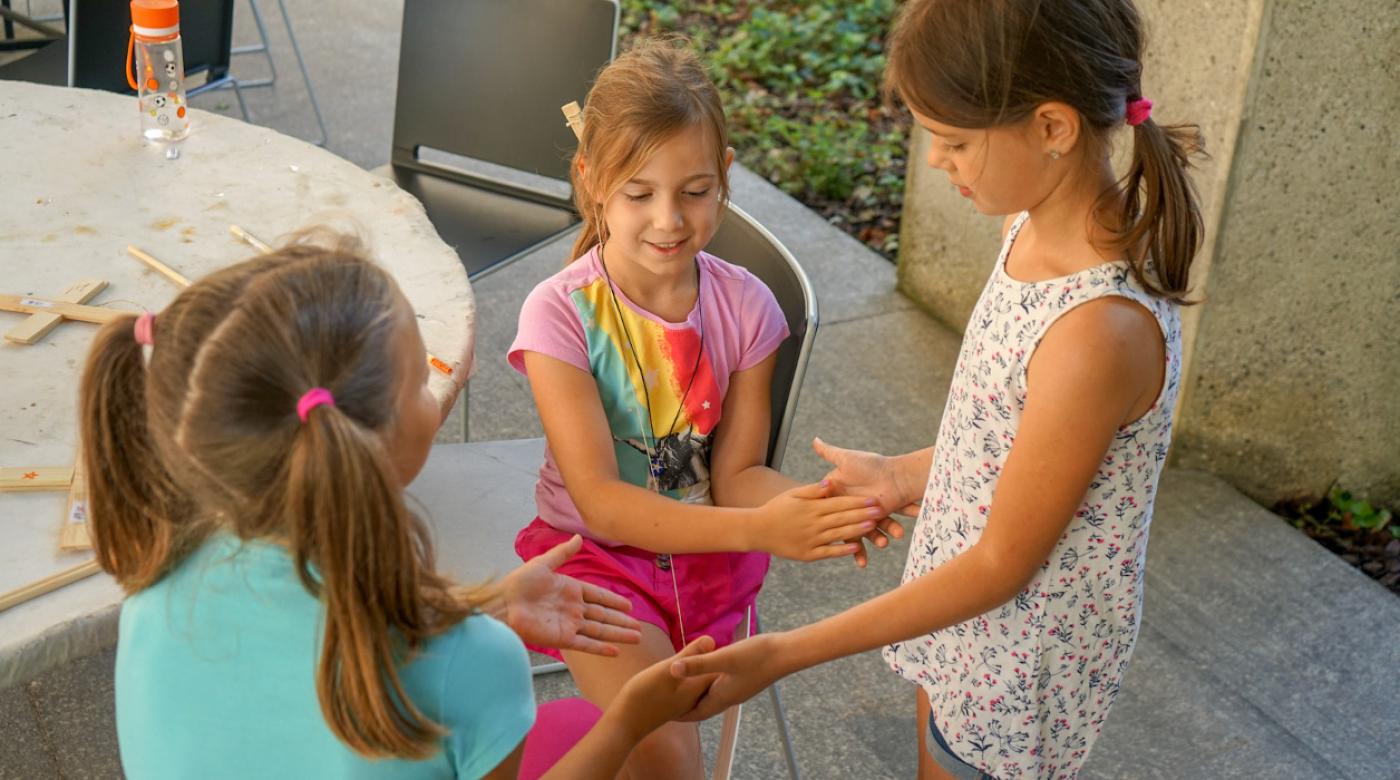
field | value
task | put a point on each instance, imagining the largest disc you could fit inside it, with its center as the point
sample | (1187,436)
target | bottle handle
(130,44)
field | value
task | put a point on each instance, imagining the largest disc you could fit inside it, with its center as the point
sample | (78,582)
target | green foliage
(1343,513)
(801,81)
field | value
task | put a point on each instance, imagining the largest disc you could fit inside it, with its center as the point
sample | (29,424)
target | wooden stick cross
(45,314)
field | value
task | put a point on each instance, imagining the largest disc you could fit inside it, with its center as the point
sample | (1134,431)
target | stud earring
(1054,154)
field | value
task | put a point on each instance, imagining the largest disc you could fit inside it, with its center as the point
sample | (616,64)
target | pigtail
(359,548)
(1160,214)
(131,497)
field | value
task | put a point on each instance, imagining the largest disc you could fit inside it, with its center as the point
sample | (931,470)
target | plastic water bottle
(159,78)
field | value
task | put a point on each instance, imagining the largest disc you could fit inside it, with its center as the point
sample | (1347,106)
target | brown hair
(987,63)
(637,103)
(206,437)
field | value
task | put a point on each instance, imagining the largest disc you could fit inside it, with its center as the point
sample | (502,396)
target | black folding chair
(480,85)
(93,53)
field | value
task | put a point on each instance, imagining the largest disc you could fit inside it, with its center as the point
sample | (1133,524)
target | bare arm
(1096,369)
(799,524)
(738,476)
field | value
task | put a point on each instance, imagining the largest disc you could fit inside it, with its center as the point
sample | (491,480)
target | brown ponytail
(1159,213)
(358,547)
(636,104)
(214,442)
(131,496)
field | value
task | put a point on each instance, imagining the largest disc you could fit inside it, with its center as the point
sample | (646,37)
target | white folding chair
(479,494)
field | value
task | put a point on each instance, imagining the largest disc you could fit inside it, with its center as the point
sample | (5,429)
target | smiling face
(1002,170)
(669,210)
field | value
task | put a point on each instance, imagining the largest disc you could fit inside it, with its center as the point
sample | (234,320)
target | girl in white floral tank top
(1030,682)
(1022,595)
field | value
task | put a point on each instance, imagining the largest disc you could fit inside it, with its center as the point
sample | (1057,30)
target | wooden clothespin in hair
(573,115)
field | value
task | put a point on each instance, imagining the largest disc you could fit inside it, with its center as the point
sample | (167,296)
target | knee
(671,752)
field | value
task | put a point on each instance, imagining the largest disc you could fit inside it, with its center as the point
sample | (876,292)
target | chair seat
(559,725)
(46,65)
(485,227)
(477,496)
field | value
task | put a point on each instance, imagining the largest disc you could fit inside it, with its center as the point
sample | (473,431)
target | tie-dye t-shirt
(684,370)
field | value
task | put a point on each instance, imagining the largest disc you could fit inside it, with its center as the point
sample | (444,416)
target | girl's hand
(558,611)
(734,674)
(803,523)
(869,474)
(655,695)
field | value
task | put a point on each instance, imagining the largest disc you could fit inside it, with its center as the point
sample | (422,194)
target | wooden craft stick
(158,266)
(74,533)
(29,480)
(249,239)
(574,116)
(38,326)
(52,582)
(28,304)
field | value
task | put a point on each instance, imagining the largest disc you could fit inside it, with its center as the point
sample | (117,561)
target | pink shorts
(716,589)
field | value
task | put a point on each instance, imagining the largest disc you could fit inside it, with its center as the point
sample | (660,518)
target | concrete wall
(1292,364)
(1298,357)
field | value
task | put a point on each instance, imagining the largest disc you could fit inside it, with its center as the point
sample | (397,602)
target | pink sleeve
(765,327)
(549,324)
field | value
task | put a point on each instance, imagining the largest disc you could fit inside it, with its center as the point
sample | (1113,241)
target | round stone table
(79,187)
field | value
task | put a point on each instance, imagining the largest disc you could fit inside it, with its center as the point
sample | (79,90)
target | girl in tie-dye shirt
(651,363)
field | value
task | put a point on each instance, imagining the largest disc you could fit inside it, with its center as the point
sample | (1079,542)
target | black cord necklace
(669,453)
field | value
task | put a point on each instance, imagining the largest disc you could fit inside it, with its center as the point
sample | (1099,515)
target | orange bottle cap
(155,18)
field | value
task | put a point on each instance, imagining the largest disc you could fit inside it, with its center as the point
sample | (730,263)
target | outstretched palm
(549,609)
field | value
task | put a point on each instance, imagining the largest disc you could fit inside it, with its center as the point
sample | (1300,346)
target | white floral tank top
(1022,691)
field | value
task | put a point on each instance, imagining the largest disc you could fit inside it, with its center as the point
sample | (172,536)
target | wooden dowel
(249,239)
(28,304)
(24,480)
(158,266)
(52,582)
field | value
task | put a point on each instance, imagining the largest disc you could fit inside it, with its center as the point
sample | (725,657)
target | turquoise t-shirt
(216,678)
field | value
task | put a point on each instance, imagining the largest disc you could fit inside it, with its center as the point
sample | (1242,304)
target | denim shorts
(943,756)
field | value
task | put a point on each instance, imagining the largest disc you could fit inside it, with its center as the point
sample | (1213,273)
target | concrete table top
(79,185)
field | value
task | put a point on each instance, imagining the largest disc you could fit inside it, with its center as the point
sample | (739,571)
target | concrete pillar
(1292,364)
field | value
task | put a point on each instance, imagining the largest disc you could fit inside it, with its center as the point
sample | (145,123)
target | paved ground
(1261,655)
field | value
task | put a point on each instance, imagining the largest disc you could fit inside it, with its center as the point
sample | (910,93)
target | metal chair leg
(238,93)
(780,715)
(310,91)
(259,47)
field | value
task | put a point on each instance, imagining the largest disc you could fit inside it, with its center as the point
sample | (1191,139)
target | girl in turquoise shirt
(247,450)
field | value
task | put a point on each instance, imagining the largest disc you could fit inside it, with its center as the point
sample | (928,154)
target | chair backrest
(99,30)
(93,53)
(484,79)
(742,241)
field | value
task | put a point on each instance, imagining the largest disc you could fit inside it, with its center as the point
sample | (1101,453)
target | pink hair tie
(313,398)
(1138,111)
(144,329)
